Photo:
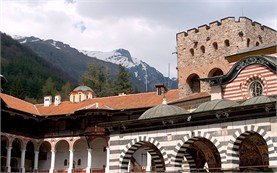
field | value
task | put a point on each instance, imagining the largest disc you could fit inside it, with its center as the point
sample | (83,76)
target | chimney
(216,92)
(47,101)
(160,89)
(57,100)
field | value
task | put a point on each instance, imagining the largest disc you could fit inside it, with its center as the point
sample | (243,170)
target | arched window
(80,97)
(79,162)
(193,83)
(191,52)
(65,162)
(215,45)
(202,49)
(257,43)
(227,43)
(215,72)
(248,42)
(255,88)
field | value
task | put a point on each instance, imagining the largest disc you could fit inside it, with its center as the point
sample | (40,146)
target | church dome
(215,105)
(258,100)
(83,88)
(162,110)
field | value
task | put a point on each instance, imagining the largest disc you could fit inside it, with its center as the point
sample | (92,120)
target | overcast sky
(147,28)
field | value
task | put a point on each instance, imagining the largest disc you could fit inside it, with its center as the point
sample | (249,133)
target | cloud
(146,28)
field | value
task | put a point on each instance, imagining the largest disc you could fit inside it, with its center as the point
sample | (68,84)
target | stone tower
(202,51)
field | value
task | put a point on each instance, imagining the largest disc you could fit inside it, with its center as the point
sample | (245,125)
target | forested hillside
(28,76)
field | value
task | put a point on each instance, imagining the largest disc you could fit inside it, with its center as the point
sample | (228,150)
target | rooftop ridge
(223,21)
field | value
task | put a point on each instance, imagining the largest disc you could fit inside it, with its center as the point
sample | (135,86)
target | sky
(147,28)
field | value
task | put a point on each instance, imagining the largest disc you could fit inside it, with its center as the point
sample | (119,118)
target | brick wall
(203,42)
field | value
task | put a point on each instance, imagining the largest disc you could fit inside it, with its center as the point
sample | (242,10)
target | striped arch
(160,160)
(237,138)
(180,150)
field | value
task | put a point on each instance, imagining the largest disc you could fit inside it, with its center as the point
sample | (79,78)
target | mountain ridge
(75,62)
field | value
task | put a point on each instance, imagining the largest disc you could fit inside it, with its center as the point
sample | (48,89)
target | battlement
(225,21)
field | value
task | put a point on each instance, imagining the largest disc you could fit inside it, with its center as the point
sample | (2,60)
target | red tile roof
(17,104)
(129,101)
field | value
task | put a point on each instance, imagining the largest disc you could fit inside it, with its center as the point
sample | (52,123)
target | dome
(215,105)
(162,110)
(83,88)
(258,100)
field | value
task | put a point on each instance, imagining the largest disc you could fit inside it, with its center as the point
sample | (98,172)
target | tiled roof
(20,105)
(129,101)
(191,97)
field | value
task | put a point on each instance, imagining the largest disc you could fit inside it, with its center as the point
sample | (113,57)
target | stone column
(8,163)
(71,155)
(36,161)
(148,162)
(53,155)
(107,169)
(89,160)
(22,160)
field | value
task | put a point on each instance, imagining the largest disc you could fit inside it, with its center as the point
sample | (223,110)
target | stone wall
(210,44)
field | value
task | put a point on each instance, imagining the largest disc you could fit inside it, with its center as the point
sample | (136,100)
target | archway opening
(15,155)
(4,145)
(253,153)
(80,155)
(193,83)
(215,72)
(199,154)
(62,154)
(29,157)
(44,157)
(99,154)
(143,156)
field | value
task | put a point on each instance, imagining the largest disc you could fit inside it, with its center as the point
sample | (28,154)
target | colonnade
(53,153)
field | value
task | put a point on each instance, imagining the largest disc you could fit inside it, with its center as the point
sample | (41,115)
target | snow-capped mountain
(141,70)
(75,62)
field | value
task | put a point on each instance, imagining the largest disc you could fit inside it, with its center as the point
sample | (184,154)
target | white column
(36,161)
(53,155)
(89,160)
(8,163)
(107,169)
(71,154)
(22,160)
(148,162)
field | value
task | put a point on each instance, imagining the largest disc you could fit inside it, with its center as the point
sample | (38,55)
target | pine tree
(49,87)
(123,83)
(66,89)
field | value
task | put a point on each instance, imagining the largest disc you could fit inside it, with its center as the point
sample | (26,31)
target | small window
(248,42)
(191,52)
(260,39)
(257,43)
(215,45)
(255,88)
(202,49)
(241,34)
(227,43)
(79,162)
(65,162)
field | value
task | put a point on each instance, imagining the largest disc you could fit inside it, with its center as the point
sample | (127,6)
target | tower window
(227,43)
(202,49)
(65,162)
(191,52)
(215,45)
(257,43)
(79,162)
(248,42)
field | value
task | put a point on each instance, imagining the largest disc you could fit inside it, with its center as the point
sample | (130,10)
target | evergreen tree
(66,89)
(49,87)
(123,82)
